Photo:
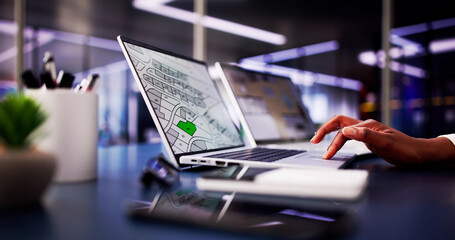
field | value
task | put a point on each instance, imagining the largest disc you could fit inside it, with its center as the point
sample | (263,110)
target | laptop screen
(271,105)
(184,99)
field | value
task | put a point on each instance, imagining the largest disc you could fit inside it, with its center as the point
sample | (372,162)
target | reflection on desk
(398,204)
(228,212)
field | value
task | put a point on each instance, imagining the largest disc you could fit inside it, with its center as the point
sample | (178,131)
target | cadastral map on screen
(185,100)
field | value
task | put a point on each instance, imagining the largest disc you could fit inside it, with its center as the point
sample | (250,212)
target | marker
(49,65)
(64,79)
(92,80)
(77,88)
(81,85)
(29,80)
(46,78)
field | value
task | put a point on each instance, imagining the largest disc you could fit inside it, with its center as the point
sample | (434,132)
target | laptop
(192,119)
(273,102)
(266,101)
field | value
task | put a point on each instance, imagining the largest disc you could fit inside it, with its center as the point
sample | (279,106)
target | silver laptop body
(190,115)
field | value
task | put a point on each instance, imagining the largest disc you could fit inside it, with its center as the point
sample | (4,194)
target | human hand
(387,142)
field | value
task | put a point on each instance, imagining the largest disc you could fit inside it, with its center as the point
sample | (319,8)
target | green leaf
(19,117)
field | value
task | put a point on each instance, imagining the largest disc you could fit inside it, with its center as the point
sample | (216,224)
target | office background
(335,59)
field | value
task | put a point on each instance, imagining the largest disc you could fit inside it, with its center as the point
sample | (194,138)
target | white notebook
(310,183)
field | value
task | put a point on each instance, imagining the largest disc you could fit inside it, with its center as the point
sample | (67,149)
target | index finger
(332,125)
(335,146)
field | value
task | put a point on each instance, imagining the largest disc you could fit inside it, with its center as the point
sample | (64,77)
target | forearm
(439,151)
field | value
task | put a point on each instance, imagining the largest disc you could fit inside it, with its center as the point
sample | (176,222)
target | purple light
(105,70)
(8,27)
(395,66)
(326,79)
(414,71)
(368,58)
(406,69)
(267,224)
(450,22)
(292,212)
(396,52)
(157,7)
(104,43)
(423,27)
(5,84)
(45,36)
(408,30)
(282,55)
(28,47)
(441,46)
(303,77)
(397,40)
(293,53)
(372,59)
(320,48)
(410,48)
(243,30)
(351,84)
(84,40)
(160,9)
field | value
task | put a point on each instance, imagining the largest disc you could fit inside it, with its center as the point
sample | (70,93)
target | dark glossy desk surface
(398,204)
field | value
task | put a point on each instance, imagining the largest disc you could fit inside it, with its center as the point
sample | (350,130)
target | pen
(64,79)
(81,85)
(49,65)
(46,78)
(29,80)
(92,80)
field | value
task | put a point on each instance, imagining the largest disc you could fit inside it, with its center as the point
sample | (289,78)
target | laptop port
(219,163)
(194,160)
(203,161)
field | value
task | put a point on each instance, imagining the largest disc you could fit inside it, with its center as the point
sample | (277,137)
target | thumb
(363,134)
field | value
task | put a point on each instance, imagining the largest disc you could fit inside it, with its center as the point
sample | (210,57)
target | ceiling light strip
(293,53)
(370,58)
(28,47)
(424,27)
(442,46)
(211,22)
(302,77)
(412,29)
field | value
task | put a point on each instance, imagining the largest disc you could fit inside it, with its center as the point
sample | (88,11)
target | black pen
(46,78)
(29,80)
(65,80)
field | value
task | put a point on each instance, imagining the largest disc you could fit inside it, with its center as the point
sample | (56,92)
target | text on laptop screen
(185,101)
(270,105)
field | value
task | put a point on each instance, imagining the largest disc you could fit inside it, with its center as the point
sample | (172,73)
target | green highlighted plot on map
(188,127)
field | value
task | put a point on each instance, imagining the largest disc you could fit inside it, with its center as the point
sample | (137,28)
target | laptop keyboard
(258,154)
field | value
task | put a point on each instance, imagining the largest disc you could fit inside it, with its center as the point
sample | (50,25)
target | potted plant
(25,172)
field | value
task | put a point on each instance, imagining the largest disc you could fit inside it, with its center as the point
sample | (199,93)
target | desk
(398,204)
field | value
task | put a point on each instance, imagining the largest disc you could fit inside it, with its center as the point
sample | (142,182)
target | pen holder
(70,132)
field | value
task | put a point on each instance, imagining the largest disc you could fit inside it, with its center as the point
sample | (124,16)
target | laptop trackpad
(311,160)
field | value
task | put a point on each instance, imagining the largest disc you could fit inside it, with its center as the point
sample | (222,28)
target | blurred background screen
(330,49)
